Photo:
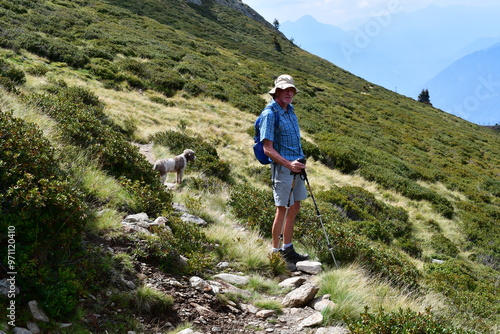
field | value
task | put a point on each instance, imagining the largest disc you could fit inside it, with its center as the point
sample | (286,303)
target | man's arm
(269,150)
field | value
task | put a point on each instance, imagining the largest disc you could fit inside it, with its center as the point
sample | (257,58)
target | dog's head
(189,154)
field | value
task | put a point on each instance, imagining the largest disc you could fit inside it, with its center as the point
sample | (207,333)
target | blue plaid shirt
(286,141)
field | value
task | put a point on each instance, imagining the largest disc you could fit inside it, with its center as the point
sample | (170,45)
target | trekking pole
(286,210)
(303,176)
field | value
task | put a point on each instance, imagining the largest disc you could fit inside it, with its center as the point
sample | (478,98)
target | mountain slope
(470,87)
(94,75)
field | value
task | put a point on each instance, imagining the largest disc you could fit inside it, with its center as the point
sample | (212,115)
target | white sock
(285,246)
(276,250)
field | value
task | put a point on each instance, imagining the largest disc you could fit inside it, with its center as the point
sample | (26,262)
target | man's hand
(297,166)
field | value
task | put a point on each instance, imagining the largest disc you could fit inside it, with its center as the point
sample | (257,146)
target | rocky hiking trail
(198,300)
(205,301)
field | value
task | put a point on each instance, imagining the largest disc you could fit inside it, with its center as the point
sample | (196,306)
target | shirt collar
(277,106)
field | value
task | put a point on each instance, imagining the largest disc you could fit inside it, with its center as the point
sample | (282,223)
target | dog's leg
(179,176)
(163,178)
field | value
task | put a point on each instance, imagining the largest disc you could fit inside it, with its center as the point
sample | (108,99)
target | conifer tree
(276,24)
(424,97)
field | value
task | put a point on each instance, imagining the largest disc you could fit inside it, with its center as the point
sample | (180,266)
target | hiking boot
(291,256)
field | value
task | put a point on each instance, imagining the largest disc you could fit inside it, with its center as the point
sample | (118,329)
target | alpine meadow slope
(409,194)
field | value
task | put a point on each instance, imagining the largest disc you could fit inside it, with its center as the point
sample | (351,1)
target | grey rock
(7,286)
(292,282)
(37,313)
(313,320)
(310,267)
(265,313)
(233,279)
(333,330)
(321,303)
(300,296)
(136,218)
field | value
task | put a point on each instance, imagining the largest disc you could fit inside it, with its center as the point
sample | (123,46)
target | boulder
(300,296)
(310,267)
(233,279)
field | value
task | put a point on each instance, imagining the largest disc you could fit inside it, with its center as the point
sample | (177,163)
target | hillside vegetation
(399,184)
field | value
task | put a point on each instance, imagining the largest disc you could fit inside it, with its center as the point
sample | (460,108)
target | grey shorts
(282,185)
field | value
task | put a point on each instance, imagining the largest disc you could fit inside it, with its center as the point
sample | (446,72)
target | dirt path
(147,151)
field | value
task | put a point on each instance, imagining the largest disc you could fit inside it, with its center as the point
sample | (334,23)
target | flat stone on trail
(233,279)
(37,313)
(136,218)
(265,313)
(314,319)
(300,296)
(292,282)
(321,303)
(310,267)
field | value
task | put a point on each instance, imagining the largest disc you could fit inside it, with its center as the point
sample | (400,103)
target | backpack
(258,147)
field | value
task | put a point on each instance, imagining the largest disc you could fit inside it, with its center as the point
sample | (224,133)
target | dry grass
(10,103)
(351,289)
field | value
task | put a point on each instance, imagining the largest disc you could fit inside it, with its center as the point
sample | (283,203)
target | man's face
(284,96)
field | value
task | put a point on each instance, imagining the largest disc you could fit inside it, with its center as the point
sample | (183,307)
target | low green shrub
(84,123)
(45,212)
(253,207)
(443,246)
(348,247)
(11,72)
(341,154)
(472,293)
(403,321)
(103,69)
(165,247)
(373,218)
(167,81)
(150,199)
(311,150)
(479,222)
(53,49)
(37,70)
(8,85)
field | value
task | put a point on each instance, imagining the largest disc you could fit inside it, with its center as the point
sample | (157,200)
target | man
(282,145)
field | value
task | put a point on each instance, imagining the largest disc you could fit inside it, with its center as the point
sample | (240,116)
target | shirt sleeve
(267,130)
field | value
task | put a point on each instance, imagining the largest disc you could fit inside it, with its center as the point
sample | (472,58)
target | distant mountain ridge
(401,51)
(470,87)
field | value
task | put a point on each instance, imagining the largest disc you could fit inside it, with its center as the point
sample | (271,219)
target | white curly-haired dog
(174,165)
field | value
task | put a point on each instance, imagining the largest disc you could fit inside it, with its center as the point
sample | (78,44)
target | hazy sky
(340,12)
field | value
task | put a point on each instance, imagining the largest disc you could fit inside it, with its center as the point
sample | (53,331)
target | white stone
(136,218)
(314,319)
(33,327)
(301,296)
(200,284)
(321,303)
(37,313)
(310,267)
(233,279)
(292,282)
(333,330)
(20,330)
(265,313)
